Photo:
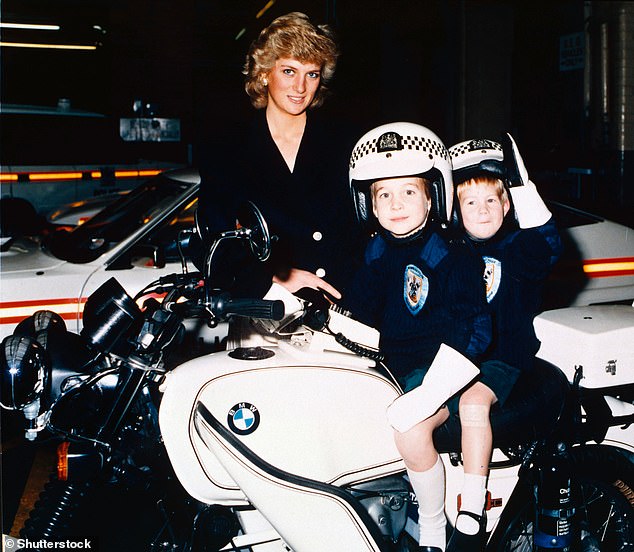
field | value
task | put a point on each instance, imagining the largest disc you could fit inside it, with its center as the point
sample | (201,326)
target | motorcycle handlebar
(264,309)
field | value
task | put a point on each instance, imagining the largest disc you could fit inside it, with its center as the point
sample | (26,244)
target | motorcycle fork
(89,458)
(134,380)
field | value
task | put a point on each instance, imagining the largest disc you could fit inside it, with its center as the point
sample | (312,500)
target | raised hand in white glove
(516,173)
(530,209)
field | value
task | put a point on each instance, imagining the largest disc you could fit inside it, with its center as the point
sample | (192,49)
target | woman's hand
(298,279)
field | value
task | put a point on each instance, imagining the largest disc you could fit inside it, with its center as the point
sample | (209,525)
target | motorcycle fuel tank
(318,416)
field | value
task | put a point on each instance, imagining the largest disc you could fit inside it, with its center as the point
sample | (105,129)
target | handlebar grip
(255,308)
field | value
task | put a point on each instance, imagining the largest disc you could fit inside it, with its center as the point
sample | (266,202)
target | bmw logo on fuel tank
(243,418)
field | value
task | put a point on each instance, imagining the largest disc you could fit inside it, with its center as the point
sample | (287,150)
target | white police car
(597,264)
(133,239)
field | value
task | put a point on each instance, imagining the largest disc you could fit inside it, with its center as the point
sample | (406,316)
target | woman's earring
(265,82)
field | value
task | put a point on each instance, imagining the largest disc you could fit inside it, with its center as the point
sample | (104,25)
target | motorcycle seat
(532,409)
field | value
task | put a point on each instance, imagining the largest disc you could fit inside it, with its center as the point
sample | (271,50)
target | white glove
(530,209)
(449,373)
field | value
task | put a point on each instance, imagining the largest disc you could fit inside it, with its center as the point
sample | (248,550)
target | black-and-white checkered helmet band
(395,150)
(417,143)
(472,152)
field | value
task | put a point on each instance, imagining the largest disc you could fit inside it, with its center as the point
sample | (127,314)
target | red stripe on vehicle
(18,319)
(33,305)
(40,302)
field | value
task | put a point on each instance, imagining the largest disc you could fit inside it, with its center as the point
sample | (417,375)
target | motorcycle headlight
(24,371)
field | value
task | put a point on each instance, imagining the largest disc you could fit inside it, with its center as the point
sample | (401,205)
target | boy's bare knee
(416,446)
(477,394)
(474,415)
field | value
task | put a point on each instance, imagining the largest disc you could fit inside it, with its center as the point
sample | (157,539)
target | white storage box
(599,338)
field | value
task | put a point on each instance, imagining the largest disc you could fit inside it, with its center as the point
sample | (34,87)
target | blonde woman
(292,165)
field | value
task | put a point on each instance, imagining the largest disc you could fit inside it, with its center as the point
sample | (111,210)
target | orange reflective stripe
(77,175)
(125,174)
(62,461)
(56,176)
(604,268)
(150,172)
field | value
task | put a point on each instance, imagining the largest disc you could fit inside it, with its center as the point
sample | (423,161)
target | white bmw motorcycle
(286,431)
(281,441)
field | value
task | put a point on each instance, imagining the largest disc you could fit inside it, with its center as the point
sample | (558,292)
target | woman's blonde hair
(290,36)
(500,188)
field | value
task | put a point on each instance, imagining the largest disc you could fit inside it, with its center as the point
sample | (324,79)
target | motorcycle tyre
(600,470)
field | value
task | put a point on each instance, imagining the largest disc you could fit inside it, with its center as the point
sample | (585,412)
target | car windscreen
(569,217)
(116,222)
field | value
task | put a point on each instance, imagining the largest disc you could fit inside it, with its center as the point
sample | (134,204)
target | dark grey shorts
(498,376)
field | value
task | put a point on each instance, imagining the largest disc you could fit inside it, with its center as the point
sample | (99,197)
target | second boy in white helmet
(518,252)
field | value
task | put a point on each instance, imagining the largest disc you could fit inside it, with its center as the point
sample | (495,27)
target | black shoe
(461,542)
(429,549)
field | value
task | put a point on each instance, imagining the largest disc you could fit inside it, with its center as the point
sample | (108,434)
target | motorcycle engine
(386,501)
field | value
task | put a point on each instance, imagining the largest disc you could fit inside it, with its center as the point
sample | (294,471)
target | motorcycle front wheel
(605,513)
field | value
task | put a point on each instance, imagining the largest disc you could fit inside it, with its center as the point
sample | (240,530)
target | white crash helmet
(395,150)
(477,157)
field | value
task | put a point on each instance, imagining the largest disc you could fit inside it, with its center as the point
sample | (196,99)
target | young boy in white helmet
(517,261)
(425,296)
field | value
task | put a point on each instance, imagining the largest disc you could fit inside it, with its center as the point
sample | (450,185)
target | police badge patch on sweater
(492,276)
(415,289)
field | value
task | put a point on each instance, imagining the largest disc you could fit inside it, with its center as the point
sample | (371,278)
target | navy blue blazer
(309,210)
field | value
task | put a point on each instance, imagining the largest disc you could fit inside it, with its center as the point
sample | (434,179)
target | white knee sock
(472,500)
(429,487)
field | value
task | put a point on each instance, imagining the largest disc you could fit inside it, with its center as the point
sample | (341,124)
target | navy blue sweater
(516,264)
(420,293)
